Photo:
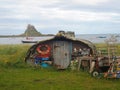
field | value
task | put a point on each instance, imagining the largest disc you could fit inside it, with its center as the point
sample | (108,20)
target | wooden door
(62,54)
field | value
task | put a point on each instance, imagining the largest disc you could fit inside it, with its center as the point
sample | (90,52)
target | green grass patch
(16,75)
(104,48)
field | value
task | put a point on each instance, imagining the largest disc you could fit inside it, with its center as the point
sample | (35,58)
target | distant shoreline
(6,36)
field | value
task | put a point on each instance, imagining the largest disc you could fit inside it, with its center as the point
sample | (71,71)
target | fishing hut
(60,51)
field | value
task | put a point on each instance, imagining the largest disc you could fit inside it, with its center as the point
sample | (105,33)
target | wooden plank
(79,64)
(86,58)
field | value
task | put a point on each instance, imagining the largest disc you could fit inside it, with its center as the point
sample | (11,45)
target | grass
(16,75)
(104,48)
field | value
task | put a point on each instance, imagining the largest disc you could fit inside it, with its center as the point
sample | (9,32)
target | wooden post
(108,52)
(79,63)
(92,66)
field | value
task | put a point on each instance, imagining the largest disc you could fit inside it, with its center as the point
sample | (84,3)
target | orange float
(44,51)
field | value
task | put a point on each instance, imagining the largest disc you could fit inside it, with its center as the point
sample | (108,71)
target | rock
(31,31)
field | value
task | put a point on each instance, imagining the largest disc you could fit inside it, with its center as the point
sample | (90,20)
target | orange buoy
(44,50)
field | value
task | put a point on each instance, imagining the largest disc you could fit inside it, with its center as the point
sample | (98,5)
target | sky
(50,16)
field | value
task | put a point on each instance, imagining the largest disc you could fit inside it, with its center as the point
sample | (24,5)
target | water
(94,38)
(18,40)
(98,38)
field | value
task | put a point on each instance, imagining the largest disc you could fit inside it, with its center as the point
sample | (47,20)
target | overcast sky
(50,16)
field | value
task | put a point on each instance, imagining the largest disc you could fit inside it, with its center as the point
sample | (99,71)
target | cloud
(59,14)
(89,2)
(18,17)
(34,9)
(78,15)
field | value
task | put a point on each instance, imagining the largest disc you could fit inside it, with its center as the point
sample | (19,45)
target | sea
(94,38)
